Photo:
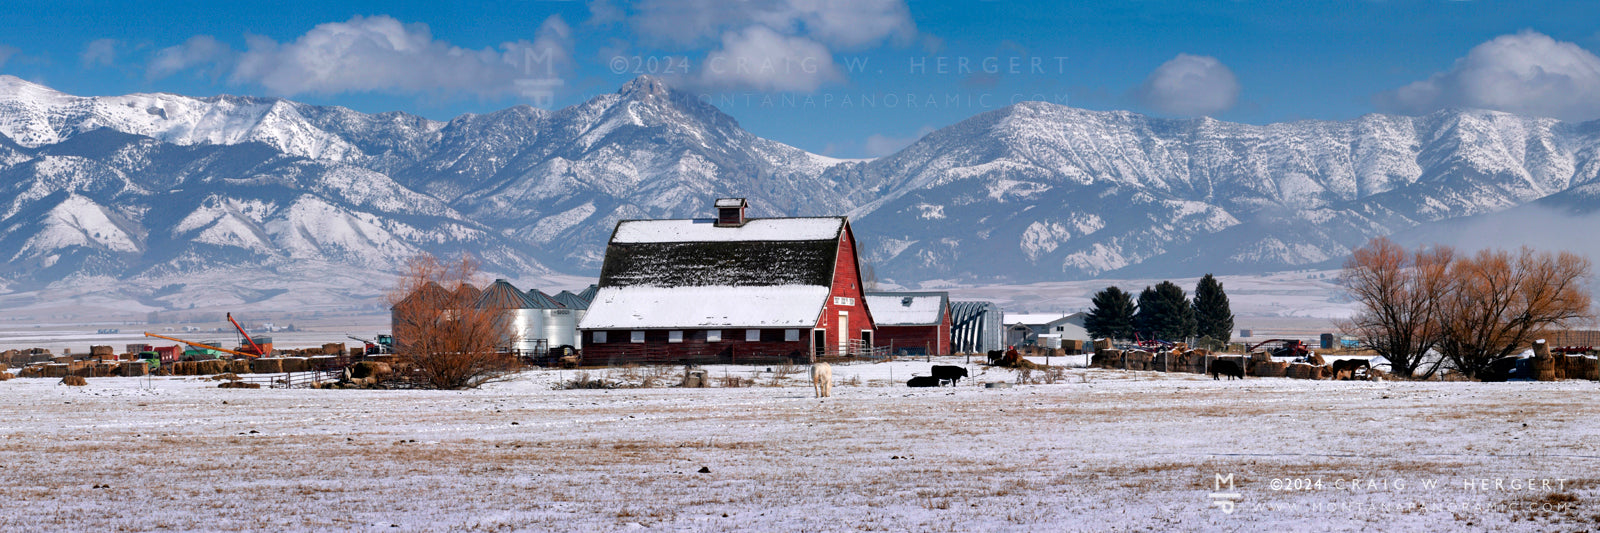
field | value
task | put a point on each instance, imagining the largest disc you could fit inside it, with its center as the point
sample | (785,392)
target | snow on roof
(907,308)
(679,264)
(705,230)
(639,307)
(1034,319)
(731,202)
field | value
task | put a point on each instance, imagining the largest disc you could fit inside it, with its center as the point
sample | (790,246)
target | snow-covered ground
(1098,450)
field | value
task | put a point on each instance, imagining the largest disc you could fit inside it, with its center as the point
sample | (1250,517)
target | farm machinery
(1284,348)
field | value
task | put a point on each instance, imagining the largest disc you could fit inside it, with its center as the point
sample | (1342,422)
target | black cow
(1349,364)
(923,381)
(995,356)
(950,372)
(1231,369)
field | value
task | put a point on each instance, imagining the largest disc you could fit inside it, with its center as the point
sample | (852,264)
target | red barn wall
(936,339)
(846,284)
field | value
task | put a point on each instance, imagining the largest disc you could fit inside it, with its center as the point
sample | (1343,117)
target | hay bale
(56,370)
(6,376)
(31,372)
(225,377)
(294,364)
(239,366)
(238,385)
(1544,364)
(266,365)
(74,381)
(1138,360)
(106,370)
(1261,357)
(333,348)
(1272,369)
(210,367)
(135,369)
(102,351)
(1317,360)
(1106,358)
(366,369)
(322,362)
(1302,371)
(1101,345)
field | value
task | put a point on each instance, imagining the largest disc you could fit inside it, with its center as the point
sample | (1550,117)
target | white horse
(822,379)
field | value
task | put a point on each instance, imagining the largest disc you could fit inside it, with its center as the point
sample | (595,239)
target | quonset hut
(976,327)
(912,323)
(728,289)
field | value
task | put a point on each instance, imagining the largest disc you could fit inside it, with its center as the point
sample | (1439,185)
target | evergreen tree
(1112,316)
(1164,313)
(1212,316)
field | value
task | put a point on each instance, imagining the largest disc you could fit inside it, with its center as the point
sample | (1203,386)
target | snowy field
(1098,450)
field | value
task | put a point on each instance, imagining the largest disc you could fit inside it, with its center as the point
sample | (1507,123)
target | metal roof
(503,295)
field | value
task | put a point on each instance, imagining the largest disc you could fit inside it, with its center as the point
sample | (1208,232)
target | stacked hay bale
(1102,344)
(266,365)
(1138,360)
(1583,367)
(211,367)
(1272,369)
(333,348)
(102,352)
(35,371)
(371,369)
(1303,371)
(1544,364)
(135,369)
(56,370)
(239,366)
(1317,360)
(322,362)
(294,364)
(1107,358)
(106,370)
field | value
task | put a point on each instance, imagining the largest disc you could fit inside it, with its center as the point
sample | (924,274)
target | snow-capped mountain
(1039,191)
(160,184)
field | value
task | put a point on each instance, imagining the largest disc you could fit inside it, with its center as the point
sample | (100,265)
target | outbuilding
(728,289)
(912,323)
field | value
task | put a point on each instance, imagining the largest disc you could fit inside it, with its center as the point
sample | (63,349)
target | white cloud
(381,54)
(762,59)
(1190,85)
(604,13)
(1525,73)
(840,23)
(100,52)
(200,51)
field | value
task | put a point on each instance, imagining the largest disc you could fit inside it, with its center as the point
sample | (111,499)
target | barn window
(713,335)
(638,336)
(752,335)
(675,336)
(791,335)
(599,337)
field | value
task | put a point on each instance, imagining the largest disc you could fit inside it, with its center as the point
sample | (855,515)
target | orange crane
(199,345)
(253,346)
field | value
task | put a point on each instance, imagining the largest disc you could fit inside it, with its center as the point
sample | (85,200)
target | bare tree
(1500,303)
(441,329)
(1398,294)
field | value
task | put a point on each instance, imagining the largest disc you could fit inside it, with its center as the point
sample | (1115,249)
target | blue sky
(851,78)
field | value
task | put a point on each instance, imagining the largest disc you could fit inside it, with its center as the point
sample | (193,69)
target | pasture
(1096,450)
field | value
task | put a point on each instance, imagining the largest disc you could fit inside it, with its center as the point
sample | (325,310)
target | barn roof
(770,272)
(908,308)
(706,230)
(693,253)
(781,306)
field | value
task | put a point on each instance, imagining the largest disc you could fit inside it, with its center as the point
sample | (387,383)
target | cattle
(1231,369)
(822,379)
(950,372)
(1346,368)
(923,381)
(995,356)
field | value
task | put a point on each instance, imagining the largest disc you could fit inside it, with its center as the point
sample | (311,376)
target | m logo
(1227,501)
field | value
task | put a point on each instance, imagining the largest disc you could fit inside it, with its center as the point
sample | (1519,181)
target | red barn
(728,289)
(912,323)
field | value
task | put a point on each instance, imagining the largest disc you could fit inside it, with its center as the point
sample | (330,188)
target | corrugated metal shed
(976,327)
